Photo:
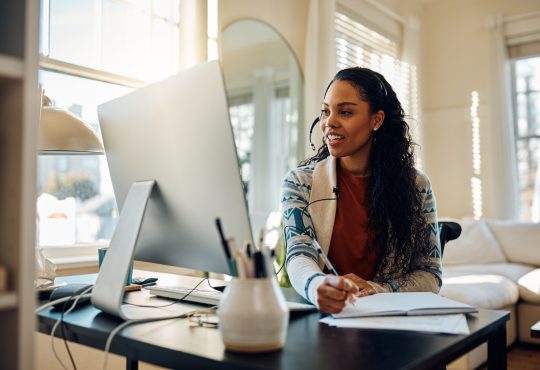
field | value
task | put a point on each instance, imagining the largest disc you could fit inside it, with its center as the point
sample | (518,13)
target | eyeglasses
(203,318)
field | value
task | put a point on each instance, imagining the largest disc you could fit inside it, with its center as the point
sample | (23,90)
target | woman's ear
(378,120)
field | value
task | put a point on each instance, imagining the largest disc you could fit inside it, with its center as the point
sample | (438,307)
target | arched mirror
(265,90)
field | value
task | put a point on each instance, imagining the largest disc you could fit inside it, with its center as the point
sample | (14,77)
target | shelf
(11,67)
(8,300)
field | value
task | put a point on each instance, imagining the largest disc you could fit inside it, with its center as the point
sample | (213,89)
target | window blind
(358,45)
(522,34)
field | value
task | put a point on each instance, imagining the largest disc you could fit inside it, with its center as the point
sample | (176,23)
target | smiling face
(348,125)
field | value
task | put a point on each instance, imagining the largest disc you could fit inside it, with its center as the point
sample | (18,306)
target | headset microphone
(311,131)
(335,190)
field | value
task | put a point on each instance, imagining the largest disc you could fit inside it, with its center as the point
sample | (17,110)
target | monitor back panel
(178,133)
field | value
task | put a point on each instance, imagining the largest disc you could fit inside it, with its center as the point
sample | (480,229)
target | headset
(318,119)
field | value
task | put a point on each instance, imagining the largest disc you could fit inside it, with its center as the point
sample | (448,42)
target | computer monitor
(174,168)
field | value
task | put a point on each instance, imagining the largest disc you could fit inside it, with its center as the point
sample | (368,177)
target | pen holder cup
(253,315)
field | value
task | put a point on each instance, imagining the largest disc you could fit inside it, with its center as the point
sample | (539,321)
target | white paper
(410,303)
(448,324)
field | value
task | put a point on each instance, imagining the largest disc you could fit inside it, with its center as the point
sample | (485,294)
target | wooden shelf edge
(8,300)
(11,67)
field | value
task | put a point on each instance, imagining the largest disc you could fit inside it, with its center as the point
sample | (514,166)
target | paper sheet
(411,303)
(448,324)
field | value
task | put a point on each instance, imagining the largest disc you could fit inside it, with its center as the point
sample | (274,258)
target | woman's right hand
(334,293)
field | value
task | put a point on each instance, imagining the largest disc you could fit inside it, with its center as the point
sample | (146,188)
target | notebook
(404,304)
(210,297)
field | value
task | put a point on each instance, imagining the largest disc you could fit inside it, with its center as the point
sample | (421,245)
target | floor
(522,357)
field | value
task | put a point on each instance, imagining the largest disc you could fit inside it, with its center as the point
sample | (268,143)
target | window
(92,52)
(242,115)
(135,38)
(526,77)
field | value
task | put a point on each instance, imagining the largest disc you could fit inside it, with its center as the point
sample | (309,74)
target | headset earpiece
(317,120)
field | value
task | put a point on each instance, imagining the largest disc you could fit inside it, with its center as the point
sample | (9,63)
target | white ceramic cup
(253,315)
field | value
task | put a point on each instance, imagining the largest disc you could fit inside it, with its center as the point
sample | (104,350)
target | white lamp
(61,133)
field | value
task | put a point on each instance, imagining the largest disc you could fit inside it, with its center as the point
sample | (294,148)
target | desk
(310,344)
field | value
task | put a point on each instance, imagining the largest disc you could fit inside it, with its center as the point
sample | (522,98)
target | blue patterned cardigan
(305,185)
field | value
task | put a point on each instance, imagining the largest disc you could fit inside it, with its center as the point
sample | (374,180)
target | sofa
(495,265)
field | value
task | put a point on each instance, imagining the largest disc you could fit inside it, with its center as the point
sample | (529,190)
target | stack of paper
(416,311)
(403,304)
(449,324)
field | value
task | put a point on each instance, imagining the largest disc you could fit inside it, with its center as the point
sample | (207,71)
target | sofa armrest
(519,240)
(529,286)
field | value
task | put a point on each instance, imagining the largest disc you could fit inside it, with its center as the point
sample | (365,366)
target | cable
(62,327)
(140,321)
(55,302)
(130,322)
(74,304)
(149,305)
(304,211)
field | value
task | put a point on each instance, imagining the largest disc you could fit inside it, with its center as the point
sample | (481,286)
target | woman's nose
(331,121)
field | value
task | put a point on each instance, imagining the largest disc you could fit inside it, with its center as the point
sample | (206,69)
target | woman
(362,200)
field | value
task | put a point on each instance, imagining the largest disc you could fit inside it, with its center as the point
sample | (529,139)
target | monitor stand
(108,292)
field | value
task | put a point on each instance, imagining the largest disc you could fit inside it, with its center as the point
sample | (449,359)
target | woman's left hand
(364,288)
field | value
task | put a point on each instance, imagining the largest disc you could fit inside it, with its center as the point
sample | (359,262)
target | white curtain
(535,211)
(320,61)
(505,172)
(262,187)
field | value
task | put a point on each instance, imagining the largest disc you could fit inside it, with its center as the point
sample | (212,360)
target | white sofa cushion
(529,287)
(476,244)
(480,291)
(520,241)
(513,271)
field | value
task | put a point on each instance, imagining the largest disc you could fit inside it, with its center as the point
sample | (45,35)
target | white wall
(288,17)
(455,61)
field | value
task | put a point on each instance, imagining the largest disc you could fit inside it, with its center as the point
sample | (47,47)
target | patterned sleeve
(428,273)
(301,256)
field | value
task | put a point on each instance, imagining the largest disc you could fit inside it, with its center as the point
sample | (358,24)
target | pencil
(325,259)
(225,245)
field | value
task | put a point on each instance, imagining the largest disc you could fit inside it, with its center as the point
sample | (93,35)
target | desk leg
(497,349)
(132,364)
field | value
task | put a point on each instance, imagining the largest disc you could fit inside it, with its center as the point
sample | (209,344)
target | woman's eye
(325,112)
(345,113)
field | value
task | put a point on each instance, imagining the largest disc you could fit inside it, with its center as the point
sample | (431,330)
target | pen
(261,238)
(260,268)
(249,251)
(330,267)
(325,259)
(225,245)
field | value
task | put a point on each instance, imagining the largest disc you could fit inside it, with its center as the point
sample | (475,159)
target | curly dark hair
(395,214)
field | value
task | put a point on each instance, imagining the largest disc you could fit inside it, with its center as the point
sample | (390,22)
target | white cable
(137,321)
(74,304)
(52,303)
(140,321)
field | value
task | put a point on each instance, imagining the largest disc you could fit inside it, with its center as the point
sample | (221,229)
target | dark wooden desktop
(310,344)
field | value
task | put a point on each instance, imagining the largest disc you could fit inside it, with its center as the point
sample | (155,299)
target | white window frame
(522,39)
(78,255)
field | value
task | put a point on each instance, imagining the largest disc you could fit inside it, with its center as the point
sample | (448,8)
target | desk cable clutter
(63,303)
(65,300)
